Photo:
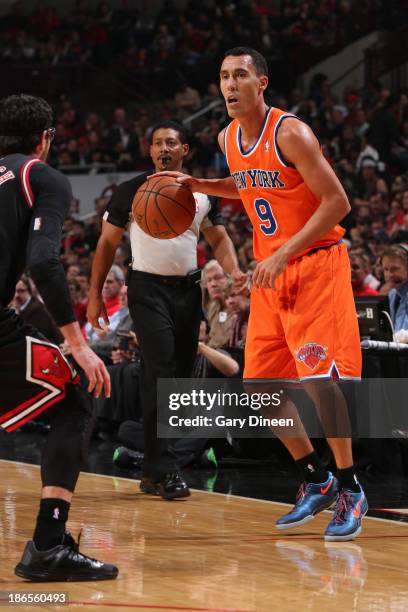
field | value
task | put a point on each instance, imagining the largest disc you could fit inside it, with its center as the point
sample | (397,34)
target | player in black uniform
(164,297)
(34,374)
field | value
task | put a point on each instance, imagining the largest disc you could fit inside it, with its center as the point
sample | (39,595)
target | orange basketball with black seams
(163,208)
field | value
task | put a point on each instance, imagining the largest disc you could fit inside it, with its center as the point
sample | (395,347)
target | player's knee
(323,393)
(68,442)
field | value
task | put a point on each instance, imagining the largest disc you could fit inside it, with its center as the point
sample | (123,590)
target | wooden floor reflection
(210,553)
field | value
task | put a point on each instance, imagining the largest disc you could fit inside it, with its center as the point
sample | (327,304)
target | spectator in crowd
(370,280)
(358,276)
(237,305)
(33,311)
(395,265)
(77,301)
(214,282)
(115,296)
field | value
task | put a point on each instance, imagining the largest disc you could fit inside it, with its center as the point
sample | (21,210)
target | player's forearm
(329,213)
(102,263)
(222,188)
(73,335)
(49,278)
(224,253)
(223,363)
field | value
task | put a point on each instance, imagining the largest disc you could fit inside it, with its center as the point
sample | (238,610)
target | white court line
(228,495)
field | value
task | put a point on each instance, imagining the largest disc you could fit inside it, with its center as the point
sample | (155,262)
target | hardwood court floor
(210,553)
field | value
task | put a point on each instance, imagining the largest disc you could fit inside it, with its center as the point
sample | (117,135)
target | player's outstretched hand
(183,179)
(94,369)
(267,271)
(96,310)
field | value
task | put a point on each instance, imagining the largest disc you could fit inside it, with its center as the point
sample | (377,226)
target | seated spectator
(395,265)
(72,272)
(78,304)
(124,402)
(219,320)
(33,311)
(115,299)
(370,280)
(238,305)
(383,287)
(396,217)
(358,275)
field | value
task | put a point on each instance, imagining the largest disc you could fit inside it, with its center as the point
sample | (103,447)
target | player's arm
(102,262)
(116,219)
(53,195)
(299,146)
(220,360)
(221,244)
(221,188)
(222,247)
(224,252)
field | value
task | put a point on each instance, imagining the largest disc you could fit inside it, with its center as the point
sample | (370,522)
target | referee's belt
(191,279)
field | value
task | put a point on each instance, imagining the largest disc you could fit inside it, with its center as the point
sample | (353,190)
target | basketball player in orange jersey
(302,322)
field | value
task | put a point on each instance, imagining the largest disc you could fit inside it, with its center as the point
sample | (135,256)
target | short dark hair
(170,125)
(258,60)
(22,120)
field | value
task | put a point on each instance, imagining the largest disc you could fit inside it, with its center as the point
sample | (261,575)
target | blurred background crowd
(163,64)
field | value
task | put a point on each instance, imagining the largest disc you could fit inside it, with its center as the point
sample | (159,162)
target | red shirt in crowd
(365,291)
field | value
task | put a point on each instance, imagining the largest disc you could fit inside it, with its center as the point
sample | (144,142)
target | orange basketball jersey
(276,198)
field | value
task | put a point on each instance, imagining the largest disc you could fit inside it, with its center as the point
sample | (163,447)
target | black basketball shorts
(33,377)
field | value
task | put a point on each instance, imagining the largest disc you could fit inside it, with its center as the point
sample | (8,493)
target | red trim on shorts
(31,415)
(35,413)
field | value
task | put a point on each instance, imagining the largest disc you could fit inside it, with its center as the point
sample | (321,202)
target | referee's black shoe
(63,563)
(171,486)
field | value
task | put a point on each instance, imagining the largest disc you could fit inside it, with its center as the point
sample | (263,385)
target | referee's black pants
(166,312)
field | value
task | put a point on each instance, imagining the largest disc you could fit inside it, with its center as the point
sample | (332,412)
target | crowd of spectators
(142,45)
(364,135)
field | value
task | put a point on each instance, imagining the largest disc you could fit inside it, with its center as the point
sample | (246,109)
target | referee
(164,296)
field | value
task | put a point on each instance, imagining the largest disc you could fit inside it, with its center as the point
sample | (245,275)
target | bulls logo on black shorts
(46,368)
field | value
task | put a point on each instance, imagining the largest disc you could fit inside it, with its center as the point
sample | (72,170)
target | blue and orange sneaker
(311,499)
(348,514)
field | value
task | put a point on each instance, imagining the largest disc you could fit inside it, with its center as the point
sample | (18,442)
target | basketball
(163,208)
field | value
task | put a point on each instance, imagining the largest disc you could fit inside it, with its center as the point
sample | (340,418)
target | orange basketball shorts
(307,327)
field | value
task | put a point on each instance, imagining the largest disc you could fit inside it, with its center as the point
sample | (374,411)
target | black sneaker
(171,486)
(63,563)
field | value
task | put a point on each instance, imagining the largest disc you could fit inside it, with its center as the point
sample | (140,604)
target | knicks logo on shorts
(311,354)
